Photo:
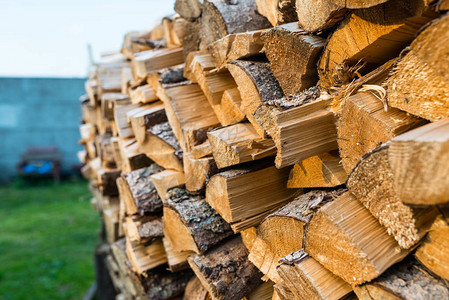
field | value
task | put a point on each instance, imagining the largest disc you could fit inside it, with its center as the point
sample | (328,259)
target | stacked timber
(268,149)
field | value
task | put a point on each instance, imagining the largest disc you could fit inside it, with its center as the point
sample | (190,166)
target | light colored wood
(308,279)
(202,150)
(364,124)
(230,108)
(107,103)
(176,260)
(419,82)
(149,61)
(293,55)
(120,110)
(231,145)
(324,170)
(283,292)
(189,9)
(263,292)
(419,160)
(142,94)
(197,171)
(214,84)
(127,80)
(358,3)
(144,229)
(318,15)
(263,257)
(126,197)
(236,46)
(346,239)
(277,11)
(195,290)
(165,180)
(145,257)
(198,62)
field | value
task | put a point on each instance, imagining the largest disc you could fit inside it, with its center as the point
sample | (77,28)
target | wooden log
(346,239)
(236,46)
(144,257)
(127,80)
(358,3)
(377,34)
(142,94)
(405,280)
(142,190)
(198,63)
(121,108)
(301,126)
(433,251)
(147,116)
(176,260)
(316,16)
(143,229)
(106,180)
(256,84)
(293,56)
(231,145)
(195,290)
(214,84)
(190,224)
(170,36)
(128,156)
(264,258)
(107,104)
(418,158)
(225,270)
(277,11)
(248,191)
(230,108)
(189,114)
(197,172)
(149,61)
(324,170)
(282,292)
(426,97)
(308,279)
(202,150)
(443,5)
(221,18)
(164,284)
(189,9)
(263,292)
(126,197)
(364,124)
(165,180)
(192,37)
(179,30)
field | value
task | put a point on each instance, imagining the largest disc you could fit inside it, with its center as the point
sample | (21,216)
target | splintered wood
(274,150)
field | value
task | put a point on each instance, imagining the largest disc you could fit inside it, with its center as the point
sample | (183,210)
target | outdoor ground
(47,236)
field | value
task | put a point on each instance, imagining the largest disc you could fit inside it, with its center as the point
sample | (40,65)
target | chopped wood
(319,15)
(202,150)
(323,170)
(371,182)
(176,260)
(121,121)
(214,84)
(236,46)
(263,257)
(231,145)
(198,62)
(308,279)
(126,197)
(192,37)
(195,290)
(282,292)
(257,85)
(419,158)
(163,284)
(358,3)
(144,257)
(230,108)
(346,239)
(277,11)
(225,270)
(165,180)
(198,171)
(143,229)
(293,56)
(405,280)
(143,94)
(364,124)
(300,131)
(107,104)
(127,155)
(149,61)
(248,191)
(220,18)
(433,253)
(418,84)
(189,9)
(191,224)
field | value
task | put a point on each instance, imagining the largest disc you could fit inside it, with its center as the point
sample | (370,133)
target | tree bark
(277,11)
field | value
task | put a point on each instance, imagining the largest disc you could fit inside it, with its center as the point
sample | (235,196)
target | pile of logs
(275,149)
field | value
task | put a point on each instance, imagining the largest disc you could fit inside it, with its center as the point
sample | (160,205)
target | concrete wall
(38,112)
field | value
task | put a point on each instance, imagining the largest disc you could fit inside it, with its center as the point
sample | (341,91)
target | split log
(189,114)
(197,172)
(121,108)
(189,9)
(420,157)
(142,190)
(248,191)
(192,37)
(142,94)
(144,257)
(405,280)
(165,180)
(324,170)
(301,126)
(230,108)
(293,56)
(147,116)
(111,222)
(225,270)
(126,197)
(107,104)
(143,229)
(202,150)
(264,258)
(319,15)
(419,82)
(346,239)
(277,11)
(282,292)
(308,279)
(127,80)
(443,5)
(364,125)
(170,36)
(197,63)
(176,260)
(179,30)
(191,224)
(195,290)
(236,46)
(163,284)
(149,61)
(377,34)
(433,253)
(106,181)
(131,43)
(256,84)
(128,156)
(221,18)
(231,145)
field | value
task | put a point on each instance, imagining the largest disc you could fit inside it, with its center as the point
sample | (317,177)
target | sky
(49,38)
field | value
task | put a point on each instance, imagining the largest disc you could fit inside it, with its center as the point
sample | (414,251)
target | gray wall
(38,112)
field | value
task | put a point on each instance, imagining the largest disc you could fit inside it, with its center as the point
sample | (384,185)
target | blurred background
(47,228)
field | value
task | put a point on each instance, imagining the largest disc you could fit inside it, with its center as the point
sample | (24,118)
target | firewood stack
(274,149)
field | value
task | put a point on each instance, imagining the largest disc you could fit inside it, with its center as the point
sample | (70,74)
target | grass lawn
(47,237)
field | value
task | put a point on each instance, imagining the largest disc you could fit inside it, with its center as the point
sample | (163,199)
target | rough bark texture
(142,189)
(151,230)
(316,16)
(226,271)
(221,17)
(165,132)
(189,9)
(293,56)
(205,225)
(192,37)
(161,284)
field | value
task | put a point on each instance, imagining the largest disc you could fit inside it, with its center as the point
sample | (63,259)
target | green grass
(47,237)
